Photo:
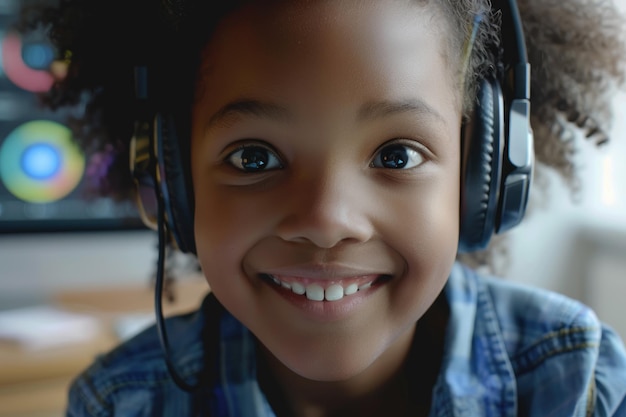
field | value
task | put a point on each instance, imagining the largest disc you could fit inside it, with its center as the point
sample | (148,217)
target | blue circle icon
(41,161)
(37,56)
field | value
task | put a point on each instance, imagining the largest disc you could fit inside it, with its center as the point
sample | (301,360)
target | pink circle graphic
(18,72)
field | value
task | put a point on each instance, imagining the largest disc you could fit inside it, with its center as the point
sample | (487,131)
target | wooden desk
(34,384)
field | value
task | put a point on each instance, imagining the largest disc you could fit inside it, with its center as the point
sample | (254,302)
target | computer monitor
(43,174)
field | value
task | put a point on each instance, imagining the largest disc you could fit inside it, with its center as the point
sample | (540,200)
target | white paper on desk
(131,324)
(44,327)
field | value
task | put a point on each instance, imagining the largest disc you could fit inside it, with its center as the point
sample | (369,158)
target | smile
(328,291)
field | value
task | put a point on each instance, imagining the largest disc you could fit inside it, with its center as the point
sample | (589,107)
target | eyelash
(405,156)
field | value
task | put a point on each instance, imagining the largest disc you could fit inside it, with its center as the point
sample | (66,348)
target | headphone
(497,163)
(496,167)
(498,150)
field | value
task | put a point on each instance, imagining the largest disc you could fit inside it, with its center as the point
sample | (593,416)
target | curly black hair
(576,50)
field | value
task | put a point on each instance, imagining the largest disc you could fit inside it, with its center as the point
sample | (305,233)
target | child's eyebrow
(249,107)
(379,109)
(368,111)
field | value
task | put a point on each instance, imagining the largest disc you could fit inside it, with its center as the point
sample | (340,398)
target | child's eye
(253,158)
(397,156)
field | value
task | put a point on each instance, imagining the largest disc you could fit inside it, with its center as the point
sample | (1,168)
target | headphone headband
(515,53)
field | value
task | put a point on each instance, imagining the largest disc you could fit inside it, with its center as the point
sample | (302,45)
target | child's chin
(323,367)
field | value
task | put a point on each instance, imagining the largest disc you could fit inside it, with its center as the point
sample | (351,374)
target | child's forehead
(322,16)
(299,25)
(316,54)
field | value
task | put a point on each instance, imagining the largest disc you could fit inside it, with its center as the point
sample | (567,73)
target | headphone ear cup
(174,185)
(481,168)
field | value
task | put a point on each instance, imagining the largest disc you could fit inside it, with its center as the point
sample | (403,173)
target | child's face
(326,151)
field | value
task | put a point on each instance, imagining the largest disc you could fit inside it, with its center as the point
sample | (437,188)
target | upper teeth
(315,292)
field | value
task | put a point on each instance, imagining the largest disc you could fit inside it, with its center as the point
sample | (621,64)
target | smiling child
(314,156)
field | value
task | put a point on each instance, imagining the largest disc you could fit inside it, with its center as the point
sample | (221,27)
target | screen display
(42,172)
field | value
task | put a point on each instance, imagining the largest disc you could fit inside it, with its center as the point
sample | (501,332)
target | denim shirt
(510,350)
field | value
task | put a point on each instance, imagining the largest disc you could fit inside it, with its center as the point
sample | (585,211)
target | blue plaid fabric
(510,350)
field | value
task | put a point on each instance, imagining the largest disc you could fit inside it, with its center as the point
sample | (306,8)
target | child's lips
(328,292)
(325,289)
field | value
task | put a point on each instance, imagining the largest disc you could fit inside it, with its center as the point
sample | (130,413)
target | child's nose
(327,210)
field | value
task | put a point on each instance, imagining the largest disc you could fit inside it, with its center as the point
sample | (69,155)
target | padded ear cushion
(481,168)
(174,184)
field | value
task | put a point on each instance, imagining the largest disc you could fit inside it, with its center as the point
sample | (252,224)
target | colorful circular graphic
(39,162)
(26,65)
